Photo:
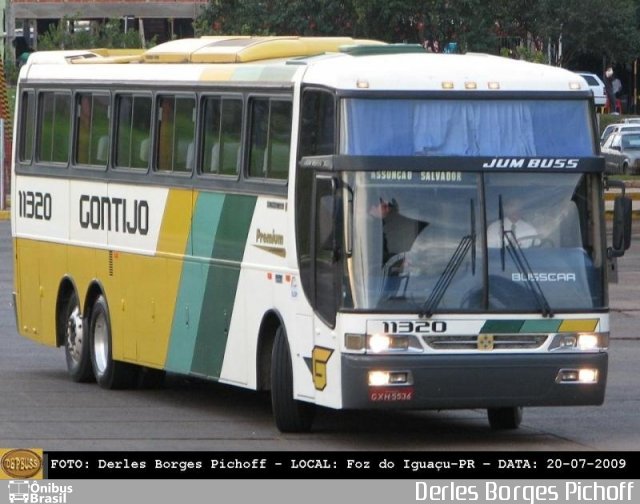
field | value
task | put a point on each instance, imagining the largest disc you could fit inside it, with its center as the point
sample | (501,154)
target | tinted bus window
(176,133)
(92,126)
(54,121)
(27,123)
(270,138)
(222,135)
(133,136)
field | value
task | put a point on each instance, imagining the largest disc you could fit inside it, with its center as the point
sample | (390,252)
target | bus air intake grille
(486,342)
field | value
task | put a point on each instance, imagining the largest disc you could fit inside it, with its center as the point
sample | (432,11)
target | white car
(625,127)
(621,153)
(597,86)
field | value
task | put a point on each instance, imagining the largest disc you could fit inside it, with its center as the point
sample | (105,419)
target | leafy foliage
(601,28)
(109,34)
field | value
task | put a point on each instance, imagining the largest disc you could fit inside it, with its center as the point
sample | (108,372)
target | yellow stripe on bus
(176,222)
(579,325)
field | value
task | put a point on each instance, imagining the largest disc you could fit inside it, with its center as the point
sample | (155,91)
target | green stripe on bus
(541,326)
(501,326)
(191,293)
(221,284)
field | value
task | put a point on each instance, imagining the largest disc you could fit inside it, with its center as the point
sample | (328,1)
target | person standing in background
(610,89)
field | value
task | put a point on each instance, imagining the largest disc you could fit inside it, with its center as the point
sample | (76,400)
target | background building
(162,19)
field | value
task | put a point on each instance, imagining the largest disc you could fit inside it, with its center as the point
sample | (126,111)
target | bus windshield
(459,127)
(422,242)
(472,241)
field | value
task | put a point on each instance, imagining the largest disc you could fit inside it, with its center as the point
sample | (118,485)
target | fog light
(585,376)
(382,378)
(567,376)
(378,378)
(398,378)
(588,376)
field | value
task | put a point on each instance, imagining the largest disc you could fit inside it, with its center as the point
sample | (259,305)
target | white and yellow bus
(345,223)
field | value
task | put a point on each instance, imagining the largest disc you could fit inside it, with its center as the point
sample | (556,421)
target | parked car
(618,128)
(621,153)
(597,86)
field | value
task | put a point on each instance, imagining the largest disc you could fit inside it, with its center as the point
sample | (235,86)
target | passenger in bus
(398,231)
(524,232)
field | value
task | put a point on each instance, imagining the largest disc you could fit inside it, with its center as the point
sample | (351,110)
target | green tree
(601,28)
(109,34)
(462,21)
(604,28)
(270,17)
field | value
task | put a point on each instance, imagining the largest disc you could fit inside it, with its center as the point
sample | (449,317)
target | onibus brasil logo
(38,493)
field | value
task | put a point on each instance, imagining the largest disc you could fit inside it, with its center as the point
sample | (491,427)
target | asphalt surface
(41,407)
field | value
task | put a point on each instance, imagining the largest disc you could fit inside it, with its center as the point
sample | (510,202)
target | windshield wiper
(466,243)
(510,243)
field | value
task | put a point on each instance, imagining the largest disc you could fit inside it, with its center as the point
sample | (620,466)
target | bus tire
(505,418)
(289,414)
(109,374)
(76,342)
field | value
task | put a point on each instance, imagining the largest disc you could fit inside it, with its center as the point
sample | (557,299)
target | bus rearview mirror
(621,226)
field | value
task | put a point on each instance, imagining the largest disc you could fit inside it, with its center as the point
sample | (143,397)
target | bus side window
(270,138)
(222,126)
(175,133)
(326,232)
(317,129)
(26,126)
(92,129)
(133,123)
(54,120)
(277,156)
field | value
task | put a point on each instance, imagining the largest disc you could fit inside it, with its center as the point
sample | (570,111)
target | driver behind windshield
(524,232)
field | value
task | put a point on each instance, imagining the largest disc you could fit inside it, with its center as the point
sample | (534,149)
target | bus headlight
(382,343)
(586,342)
(385,342)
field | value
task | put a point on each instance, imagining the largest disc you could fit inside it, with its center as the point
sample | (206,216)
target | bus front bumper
(474,381)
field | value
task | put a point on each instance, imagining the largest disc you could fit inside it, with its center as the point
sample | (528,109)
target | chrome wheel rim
(101,343)
(75,338)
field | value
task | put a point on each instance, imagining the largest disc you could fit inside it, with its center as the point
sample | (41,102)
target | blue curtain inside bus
(388,127)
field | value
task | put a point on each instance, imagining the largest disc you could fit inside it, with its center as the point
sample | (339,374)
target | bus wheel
(290,415)
(109,374)
(76,345)
(505,418)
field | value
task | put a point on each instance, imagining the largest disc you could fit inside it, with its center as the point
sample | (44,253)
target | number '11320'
(34,205)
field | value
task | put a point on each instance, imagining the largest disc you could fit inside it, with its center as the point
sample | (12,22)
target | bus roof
(438,72)
(338,62)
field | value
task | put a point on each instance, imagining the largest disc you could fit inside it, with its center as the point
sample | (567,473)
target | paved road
(41,407)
